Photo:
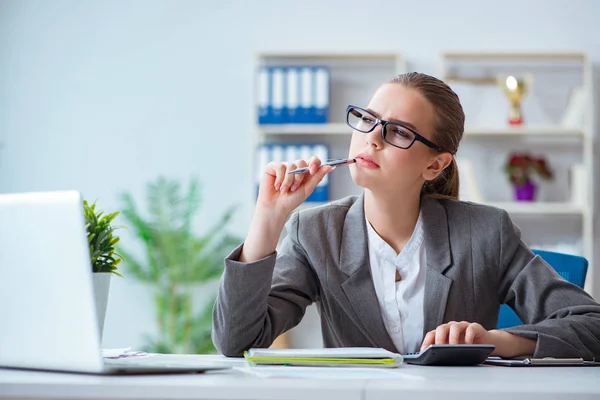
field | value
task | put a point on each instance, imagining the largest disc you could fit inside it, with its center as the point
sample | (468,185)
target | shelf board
(537,208)
(534,130)
(338,128)
(333,54)
(488,55)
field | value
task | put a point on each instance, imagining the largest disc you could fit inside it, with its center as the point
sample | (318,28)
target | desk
(242,382)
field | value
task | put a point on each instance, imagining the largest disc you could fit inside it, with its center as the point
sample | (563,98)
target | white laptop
(47,310)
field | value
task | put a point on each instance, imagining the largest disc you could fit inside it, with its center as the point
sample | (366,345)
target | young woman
(405,264)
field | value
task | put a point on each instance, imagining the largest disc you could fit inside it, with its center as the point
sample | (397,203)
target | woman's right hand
(278,195)
(281,192)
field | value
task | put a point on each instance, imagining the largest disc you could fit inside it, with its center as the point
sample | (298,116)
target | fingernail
(294,187)
(277,186)
(284,188)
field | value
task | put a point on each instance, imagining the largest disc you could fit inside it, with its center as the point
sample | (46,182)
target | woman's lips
(366,161)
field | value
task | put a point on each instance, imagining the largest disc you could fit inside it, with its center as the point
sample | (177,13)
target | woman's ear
(439,163)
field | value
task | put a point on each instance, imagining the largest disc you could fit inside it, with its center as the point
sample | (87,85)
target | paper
(121,353)
(339,357)
(332,373)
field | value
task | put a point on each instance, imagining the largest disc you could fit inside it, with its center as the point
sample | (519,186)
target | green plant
(179,264)
(101,239)
(521,166)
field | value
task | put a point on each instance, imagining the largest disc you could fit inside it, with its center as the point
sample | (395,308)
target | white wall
(104,96)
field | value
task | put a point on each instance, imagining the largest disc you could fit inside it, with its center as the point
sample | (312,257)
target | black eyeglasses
(393,133)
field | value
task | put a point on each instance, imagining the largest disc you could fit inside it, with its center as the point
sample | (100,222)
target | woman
(405,264)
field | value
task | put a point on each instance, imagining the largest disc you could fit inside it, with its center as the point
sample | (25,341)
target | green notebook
(334,357)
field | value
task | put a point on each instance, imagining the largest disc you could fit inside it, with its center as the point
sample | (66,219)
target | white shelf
(534,208)
(305,129)
(340,128)
(554,131)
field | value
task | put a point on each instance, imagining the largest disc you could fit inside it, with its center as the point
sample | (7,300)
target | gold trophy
(515,90)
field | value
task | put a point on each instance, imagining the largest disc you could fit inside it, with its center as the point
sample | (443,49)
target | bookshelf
(558,219)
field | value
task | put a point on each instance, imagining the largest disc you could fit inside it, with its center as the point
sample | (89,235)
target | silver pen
(332,163)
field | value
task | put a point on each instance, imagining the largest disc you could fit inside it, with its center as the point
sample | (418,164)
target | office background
(105,96)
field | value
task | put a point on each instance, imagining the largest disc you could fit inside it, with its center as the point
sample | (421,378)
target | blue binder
(264,98)
(321,99)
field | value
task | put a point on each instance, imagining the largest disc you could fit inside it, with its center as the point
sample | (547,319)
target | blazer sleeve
(259,301)
(562,317)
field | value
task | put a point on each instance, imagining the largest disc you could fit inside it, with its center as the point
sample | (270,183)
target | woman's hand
(278,195)
(507,344)
(457,333)
(281,192)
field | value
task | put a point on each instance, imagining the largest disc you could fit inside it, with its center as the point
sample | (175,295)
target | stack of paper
(335,357)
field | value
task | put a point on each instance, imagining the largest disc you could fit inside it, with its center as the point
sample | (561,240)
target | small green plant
(101,239)
(179,265)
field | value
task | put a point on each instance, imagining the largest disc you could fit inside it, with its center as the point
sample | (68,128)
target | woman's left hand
(458,333)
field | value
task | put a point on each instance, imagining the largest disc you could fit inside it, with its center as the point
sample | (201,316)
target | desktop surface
(244,382)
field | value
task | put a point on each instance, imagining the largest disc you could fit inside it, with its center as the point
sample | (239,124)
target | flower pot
(525,192)
(101,287)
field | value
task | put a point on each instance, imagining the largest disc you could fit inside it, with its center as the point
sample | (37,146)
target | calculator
(450,355)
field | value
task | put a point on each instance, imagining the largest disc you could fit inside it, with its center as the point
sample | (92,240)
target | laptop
(47,310)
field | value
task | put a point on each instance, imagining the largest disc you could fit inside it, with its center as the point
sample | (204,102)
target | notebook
(333,357)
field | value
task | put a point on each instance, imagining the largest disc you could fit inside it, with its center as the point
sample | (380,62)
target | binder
(277,95)
(292,95)
(263,159)
(321,110)
(332,357)
(321,192)
(306,95)
(263,96)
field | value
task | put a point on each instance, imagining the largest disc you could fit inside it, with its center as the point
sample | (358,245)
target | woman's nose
(374,138)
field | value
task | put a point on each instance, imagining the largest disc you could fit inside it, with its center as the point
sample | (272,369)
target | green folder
(333,357)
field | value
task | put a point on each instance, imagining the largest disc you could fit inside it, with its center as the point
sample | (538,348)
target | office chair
(571,268)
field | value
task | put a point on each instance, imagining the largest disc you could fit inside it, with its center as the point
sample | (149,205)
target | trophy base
(515,121)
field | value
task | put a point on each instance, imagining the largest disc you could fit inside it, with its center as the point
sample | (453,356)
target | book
(332,357)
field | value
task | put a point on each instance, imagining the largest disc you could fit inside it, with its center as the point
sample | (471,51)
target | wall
(105,96)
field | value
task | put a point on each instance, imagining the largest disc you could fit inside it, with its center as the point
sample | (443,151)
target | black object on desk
(451,355)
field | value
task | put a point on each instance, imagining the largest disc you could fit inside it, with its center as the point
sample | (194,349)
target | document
(334,357)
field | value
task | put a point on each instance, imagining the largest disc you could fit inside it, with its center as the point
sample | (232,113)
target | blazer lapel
(358,286)
(439,259)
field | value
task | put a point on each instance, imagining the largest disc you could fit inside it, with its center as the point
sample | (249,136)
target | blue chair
(571,268)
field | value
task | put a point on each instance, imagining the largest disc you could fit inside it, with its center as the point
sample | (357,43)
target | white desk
(241,382)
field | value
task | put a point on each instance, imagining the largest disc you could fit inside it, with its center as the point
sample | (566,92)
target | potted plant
(181,266)
(520,168)
(102,243)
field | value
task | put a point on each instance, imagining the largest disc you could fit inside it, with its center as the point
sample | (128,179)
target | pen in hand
(331,163)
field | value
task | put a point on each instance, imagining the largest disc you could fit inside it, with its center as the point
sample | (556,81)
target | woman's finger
(441,334)
(277,169)
(428,340)
(313,164)
(473,332)
(457,331)
(288,179)
(298,178)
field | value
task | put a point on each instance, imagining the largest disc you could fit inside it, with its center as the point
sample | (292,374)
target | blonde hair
(449,126)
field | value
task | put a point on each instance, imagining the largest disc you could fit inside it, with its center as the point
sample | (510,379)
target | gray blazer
(475,262)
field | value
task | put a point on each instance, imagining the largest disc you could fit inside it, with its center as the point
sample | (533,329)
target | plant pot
(525,192)
(101,287)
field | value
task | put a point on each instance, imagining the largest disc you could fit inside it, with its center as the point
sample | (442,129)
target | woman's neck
(393,217)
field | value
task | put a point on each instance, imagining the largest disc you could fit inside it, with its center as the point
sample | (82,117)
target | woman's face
(379,164)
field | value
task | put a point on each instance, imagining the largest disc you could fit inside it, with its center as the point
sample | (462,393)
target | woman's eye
(400,132)
(368,120)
